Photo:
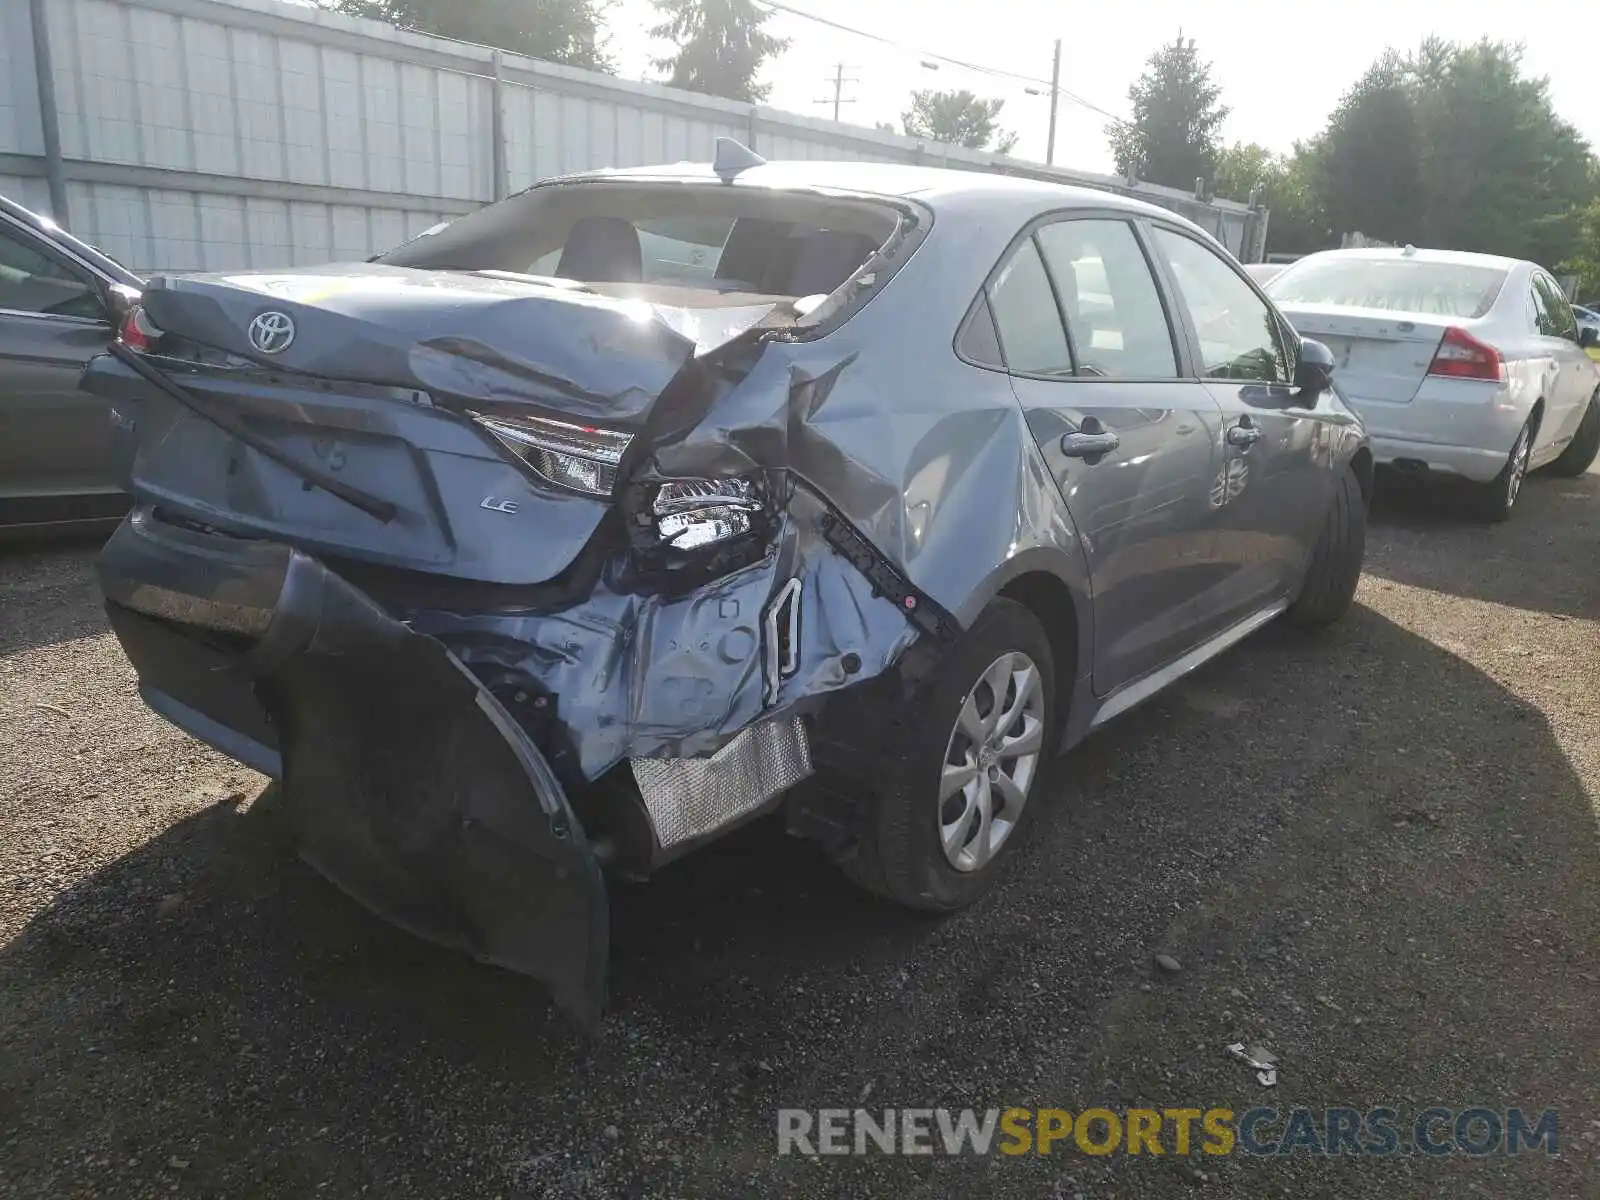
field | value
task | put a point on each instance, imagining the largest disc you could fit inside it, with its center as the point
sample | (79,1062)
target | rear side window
(1025,315)
(1113,309)
(1558,311)
(1240,336)
(1444,289)
(1542,320)
(979,343)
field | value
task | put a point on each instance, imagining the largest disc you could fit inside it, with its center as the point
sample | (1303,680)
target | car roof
(1465,258)
(937,187)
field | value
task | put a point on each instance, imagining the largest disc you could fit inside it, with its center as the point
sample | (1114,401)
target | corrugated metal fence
(227,134)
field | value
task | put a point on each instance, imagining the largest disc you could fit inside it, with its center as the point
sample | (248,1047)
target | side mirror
(1313,374)
(1588,336)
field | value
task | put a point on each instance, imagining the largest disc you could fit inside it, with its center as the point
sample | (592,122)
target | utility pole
(839,80)
(1055,100)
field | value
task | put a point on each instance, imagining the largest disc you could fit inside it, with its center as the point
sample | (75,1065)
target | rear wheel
(1335,569)
(976,739)
(1581,451)
(1493,501)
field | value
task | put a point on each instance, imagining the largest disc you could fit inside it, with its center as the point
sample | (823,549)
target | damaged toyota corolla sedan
(575,532)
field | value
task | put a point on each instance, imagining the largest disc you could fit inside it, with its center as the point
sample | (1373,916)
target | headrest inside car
(825,259)
(602,250)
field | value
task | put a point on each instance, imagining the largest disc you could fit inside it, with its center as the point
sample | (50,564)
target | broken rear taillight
(138,331)
(582,458)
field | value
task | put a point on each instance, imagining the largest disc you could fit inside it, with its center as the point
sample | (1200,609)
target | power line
(979,68)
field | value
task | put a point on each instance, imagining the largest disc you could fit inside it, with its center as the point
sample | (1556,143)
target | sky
(1282,67)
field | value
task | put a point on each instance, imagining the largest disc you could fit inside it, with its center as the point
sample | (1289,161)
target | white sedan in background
(1463,366)
(1264,272)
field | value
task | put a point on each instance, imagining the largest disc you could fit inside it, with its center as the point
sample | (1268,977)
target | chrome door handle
(1243,435)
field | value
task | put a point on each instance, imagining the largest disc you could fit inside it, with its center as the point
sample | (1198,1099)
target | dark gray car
(537,545)
(59,300)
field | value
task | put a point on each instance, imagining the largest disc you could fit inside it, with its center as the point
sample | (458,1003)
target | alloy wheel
(1520,454)
(991,760)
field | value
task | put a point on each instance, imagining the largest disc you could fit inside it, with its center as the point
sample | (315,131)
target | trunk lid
(474,336)
(370,374)
(1378,354)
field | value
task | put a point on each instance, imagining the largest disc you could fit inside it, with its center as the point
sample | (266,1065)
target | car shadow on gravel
(1416,538)
(1359,817)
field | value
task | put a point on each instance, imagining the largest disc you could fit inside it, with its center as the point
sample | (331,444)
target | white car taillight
(583,458)
(1462,356)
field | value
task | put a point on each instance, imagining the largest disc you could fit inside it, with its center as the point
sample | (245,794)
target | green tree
(1177,114)
(1368,170)
(563,31)
(1501,171)
(721,47)
(1284,186)
(1584,257)
(957,119)
(1453,146)
(1241,168)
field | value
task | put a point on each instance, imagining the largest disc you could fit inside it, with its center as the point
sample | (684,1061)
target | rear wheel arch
(1051,600)
(1361,463)
(1584,447)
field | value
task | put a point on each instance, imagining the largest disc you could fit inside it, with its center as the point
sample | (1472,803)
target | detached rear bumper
(406,782)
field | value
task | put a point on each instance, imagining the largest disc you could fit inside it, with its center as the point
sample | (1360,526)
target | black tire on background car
(994,692)
(1581,451)
(1493,501)
(1335,568)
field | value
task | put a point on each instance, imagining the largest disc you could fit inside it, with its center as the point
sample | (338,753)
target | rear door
(55,441)
(1130,441)
(1573,377)
(1273,485)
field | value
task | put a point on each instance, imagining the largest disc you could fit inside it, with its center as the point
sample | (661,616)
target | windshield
(664,235)
(1444,289)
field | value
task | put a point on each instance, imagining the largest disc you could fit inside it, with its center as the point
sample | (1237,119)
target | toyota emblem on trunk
(271,332)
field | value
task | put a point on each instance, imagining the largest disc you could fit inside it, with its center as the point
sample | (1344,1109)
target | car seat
(602,250)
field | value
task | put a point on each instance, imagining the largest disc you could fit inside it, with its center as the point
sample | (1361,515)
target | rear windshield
(653,237)
(1400,285)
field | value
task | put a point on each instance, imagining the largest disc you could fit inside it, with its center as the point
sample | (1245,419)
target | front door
(1132,445)
(1273,484)
(55,441)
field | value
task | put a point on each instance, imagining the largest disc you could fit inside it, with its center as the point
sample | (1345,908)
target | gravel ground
(1373,850)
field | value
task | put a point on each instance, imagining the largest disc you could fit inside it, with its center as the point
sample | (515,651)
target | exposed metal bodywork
(903,488)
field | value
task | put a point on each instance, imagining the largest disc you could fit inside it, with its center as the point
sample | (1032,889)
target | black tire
(1584,447)
(1495,500)
(899,853)
(1335,568)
